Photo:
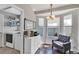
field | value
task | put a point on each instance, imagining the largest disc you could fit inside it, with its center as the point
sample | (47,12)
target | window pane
(52,31)
(55,22)
(40,31)
(53,26)
(67,30)
(28,24)
(41,22)
(68,20)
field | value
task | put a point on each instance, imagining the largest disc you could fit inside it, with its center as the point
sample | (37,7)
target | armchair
(63,43)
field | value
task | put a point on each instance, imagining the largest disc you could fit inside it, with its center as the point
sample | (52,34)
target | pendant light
(51,16)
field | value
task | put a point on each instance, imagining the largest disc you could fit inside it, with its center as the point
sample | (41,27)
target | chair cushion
(59,43)
(63,38)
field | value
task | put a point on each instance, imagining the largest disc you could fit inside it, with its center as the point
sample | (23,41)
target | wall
(28,12)
(75,29)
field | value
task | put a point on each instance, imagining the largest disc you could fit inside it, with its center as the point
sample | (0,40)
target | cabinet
(36,42)
(13,40)
(0,39)
(27,45)
(32,44)
(1,22)
(11,22)
(1,30)
(17,41)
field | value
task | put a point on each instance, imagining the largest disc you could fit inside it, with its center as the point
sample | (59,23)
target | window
(68,20)
(55,22)
(28,24)
(53,26)
(67,25)
(41,22)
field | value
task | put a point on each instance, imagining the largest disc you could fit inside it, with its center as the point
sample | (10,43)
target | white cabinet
(0,39)
(32,44)
(1,30)
(27,46)
(1,23)
(35,43)
(5,28)
(17,41)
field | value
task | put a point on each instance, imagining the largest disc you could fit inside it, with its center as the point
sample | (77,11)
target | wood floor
(7,50)
(47,49)
(44,49)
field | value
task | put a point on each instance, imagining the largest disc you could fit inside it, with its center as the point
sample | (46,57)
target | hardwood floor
(44,49)
(47,49)
(7,50)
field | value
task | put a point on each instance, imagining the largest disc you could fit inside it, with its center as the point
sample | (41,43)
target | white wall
(75,29)
(28,12)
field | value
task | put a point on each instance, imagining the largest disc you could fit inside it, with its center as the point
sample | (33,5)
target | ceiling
(38,7)
(10,9)
(62,8)
(2,6)
(56,13)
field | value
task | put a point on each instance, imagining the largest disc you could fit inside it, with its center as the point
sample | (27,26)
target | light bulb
(51,17)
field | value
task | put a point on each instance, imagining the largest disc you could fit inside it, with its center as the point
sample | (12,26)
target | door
(17,43)
(41,28)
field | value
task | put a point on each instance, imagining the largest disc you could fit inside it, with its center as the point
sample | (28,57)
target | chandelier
(51,16)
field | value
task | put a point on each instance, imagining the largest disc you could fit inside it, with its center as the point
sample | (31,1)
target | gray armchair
(63,43)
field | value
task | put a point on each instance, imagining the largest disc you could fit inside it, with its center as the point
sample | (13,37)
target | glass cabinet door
(28,24)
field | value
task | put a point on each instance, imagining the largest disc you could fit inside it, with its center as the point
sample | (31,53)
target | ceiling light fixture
(51,16)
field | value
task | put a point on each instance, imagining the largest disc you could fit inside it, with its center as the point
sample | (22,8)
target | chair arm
(54,40)
(67,45)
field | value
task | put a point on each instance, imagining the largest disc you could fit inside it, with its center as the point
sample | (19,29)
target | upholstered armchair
(63,43)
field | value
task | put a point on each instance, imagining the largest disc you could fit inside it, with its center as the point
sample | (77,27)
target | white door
(17,43)
(41,28)
(1,30)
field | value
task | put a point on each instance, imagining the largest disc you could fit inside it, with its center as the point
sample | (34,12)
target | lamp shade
(51,17)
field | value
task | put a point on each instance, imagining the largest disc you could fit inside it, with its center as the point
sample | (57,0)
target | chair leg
(64,52)
(52,47)
(69,51)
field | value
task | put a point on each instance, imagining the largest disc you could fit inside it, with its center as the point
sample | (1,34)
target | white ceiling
(10,10)
(2,6)
(56,13)
(38,7)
